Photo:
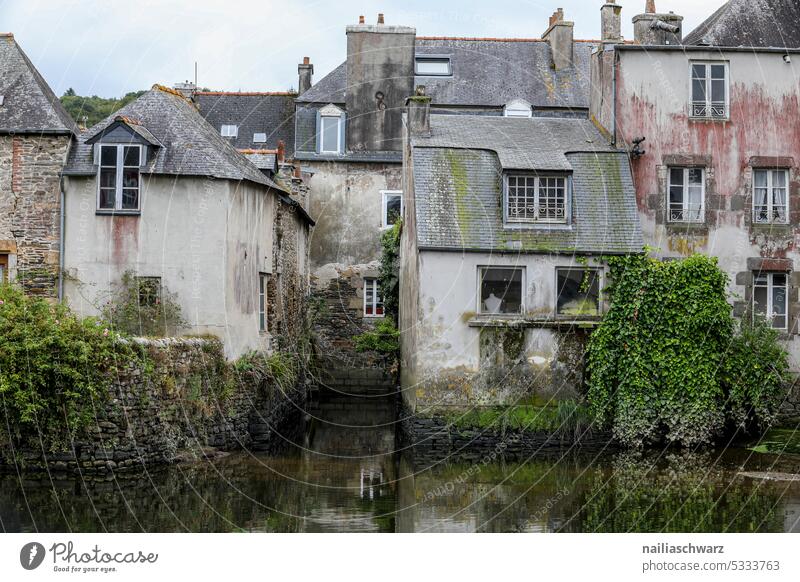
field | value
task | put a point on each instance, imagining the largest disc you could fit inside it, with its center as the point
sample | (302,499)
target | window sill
(102,212)
(767,227)
(710,119)
(519,321)
(688,226)
(374,316)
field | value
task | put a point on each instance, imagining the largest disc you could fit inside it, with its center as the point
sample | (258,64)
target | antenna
(195,75)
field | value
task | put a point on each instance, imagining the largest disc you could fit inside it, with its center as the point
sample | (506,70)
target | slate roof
(458,188)
(270,113)
(751,23)
(29,104)
(192,147)
(488,73)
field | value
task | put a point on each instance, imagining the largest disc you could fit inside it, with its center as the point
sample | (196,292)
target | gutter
(706,49)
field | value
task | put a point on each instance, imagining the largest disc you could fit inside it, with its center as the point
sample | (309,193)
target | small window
(229,131)
(518,108)
(710,90)
(687,194)
(149,291)
(118,177)
(373,305)
(262,302)
(3,268)
(536,199)
(330,134)
(578,292)
(433,66)
(259,138)
(392,208)
(770,298)
(770,196)
(501,290)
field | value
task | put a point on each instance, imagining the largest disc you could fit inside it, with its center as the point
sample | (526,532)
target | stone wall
(790,409)
(30,198)
(190,401)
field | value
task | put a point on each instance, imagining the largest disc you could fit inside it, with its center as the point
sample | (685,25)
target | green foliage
(666,364)
(280,369)
(142,307)
(567,418)
(54,367)
(94,108)
(384,338)
(390,270)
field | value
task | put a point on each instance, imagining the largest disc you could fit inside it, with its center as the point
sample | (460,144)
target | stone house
(505,221)
(711,122)
(35,136)
(156,191)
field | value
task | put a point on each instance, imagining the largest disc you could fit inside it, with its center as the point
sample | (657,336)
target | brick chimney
(560,36)
(652,28)
(418,111)
(611,22)
(305,75)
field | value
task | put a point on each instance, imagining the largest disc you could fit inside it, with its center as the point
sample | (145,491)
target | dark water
(346,475)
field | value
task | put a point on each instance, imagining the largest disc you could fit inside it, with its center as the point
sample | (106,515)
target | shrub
(280,368)
(384,339)
(141,306)
(390,270)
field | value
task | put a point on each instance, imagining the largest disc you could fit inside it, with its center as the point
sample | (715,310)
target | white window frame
(260,137)
(263,297)
(709,109)
(385,194)
(771,195)
(376,290)
(120,169)
(770,287)
(537,185)
(436,58)
(226,131)
(523,286)
(338,119)
(685,201)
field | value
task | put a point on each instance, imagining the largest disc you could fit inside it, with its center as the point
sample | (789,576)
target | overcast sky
(109,47)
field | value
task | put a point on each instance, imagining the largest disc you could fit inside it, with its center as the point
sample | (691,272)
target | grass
(779,441)
(567,418)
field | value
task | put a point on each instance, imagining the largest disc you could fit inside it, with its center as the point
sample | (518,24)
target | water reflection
(346,476)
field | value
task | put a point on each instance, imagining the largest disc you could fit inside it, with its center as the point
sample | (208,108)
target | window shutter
(318,147)
(96,154)
(143,156)
(342,124)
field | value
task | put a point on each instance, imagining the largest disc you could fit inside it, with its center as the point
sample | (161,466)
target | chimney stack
(305,75)
(611,22)
(560,36)
(418,110)
(652,28)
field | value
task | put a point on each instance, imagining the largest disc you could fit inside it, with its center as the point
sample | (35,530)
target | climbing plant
(667,364)
(390,270)
(141,306)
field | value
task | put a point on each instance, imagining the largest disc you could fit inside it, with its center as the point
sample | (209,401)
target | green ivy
(667,364)
(384,338)
(141,306)
(390,270)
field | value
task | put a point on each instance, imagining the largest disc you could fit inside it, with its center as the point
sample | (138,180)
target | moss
(779,441)
(459,173)
(564,417)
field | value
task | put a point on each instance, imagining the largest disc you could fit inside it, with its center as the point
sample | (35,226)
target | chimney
(187,89)
(652,28)
(611,22)
(305,74)
(361,19)
(380,19)
(560,36)
(281,155)
(418,110)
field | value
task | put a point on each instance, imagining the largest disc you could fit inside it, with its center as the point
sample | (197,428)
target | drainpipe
(614,94)
(61,242)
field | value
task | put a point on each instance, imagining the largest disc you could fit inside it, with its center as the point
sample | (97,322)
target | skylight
(433,66)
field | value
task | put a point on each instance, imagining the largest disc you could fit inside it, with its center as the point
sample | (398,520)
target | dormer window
(518,108)
(330,138)
(118,177)
(259,138)
(536,199)
(432,66)
(2,100)
(229,131)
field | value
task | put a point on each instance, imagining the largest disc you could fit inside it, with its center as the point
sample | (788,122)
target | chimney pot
(560,37)
(380,18)
(419,112)
(650,7)
(306,61)
(361,20)
(281,151)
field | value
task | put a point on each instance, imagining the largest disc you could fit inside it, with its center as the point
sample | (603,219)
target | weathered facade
(35,136)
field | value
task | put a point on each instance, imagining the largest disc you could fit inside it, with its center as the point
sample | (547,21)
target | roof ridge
(250,93)
(171,91)
(252,151)
(495,39)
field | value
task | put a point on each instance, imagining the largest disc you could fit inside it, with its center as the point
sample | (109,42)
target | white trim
(338,119)
(518,105)
(685,197)
(438,58)
(226,131)
(263,302)
(770,198)
(523,221)
(523,287)
(709,103)
(120,171)
(259,137)
(375,299)
(384,202)
(770,286)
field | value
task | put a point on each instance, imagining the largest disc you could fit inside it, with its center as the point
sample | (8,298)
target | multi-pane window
(536,199)
(262,302)
(578,292)
(686,195)
(3,268)
(709,90)
(119,177)
(432,66)
(373,306)
(229,131)
(770,298)
(501,290)
(392,208)
(330,134)
(770,196)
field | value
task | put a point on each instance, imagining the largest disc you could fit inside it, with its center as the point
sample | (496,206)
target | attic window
(259,138)
(2,100)
(518,108)
(229,131)
(433,67)
(118,177)
(536,199)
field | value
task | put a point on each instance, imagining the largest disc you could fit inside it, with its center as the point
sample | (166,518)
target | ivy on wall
(669,364)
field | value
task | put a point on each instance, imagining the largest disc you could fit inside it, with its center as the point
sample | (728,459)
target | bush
(384,339)
(54,367)
(141,306)
(390,270)
(280,369)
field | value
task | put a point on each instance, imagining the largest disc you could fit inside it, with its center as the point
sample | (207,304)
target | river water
(345,474)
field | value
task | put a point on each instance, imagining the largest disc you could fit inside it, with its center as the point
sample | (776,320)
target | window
(501,290)
(536,199)
(262,302)
(687,194)
(3,268)
(578,292)
(770,298)
(330,134)
(119,177)
(373,306)
(432,66)
(149,289)
(770,196)
(229,131)
(710,90)
(392,208)
(518,108)
(259,138)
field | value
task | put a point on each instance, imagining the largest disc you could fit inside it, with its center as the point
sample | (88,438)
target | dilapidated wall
(30,201)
